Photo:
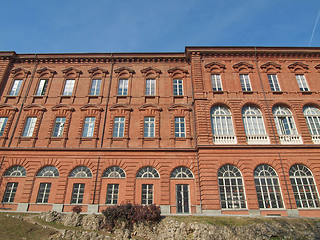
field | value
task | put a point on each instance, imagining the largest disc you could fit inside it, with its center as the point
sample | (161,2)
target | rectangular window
(3,123)
(68,87)
(29,127)
(58,127)
(273,81)
(150,87)
(123,87)
(216,82)
(182,195)
(15,87)
(77,193)
(149,127)
(95,87)
(302,82)
(177,87)
(147,194)
(179,127)
(10,192)
(43,84)
(245,82)
(88,127)
(112,194)
(44,191)
(118,127)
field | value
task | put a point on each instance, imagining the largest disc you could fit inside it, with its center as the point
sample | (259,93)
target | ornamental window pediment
(243,67)
(92,108)
(97,70)
(150,107)
(35,108)
(215,67)
(298,67)
(150,71)
(71,70)
(181,107)
(177,71)
(124,70)
(6,109)
(44,70)
(271,67)
(121,107)
(22,72)
(317,67)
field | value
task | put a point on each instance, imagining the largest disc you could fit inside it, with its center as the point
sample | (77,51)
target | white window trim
(216,82)
(274,83)
(245,82)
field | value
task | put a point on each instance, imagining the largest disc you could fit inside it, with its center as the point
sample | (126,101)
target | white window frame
(42,87)
(48,171)
(184,193)
(58,127)
(304,187)
(114,172)
(178,87)
(149,127)
(268,188)
(81,172)
(77,193)
(245,82)
(181,172)
(95,87)
(150,87)
(231,189)
(10,192)
(3,124)
(16,171)
(88,127)
(123,87)
(147,194)
(148,172)
(68,87)
(29,126)
(43,193)
(16,86)
(274,83)
(112,194)
(216,82)
(180,127)
(118,127)
(302,82)
(312,116)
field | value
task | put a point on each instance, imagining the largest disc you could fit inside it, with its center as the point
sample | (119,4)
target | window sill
(26,138)
(150,138)
(307,92)
(277,92)
(57,138)
(247,92)
(119,139)
(178,96)
(66,96)
(93,96)
(218,92)
(180,138)
(11,96)
(87,138)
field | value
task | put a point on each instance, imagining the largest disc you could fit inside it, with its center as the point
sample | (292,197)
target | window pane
(77,193)
(58,127)
(149,127)
(112,194)
(95,87)
(44,191)
(118,127)
(10,192)
(43,84)
(179,127)
(3,123)
(68,87)
(15,87)
(245,82)
(123,87)
(88,128)
(177,87)
(216,82)
(29,127)
(150,86)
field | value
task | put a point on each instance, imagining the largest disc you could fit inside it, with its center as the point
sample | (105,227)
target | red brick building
(214,130)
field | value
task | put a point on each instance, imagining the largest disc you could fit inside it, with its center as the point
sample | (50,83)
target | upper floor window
(304,188)
(312,116)
(3,123)
(284,121)
(118,127)
(68,87)
(177,87)
(16,171)
(149,127)
(150,87)
(95,87)
(245,82)
(88,127)
(222,126)
(231,188)
(179,127)
(58,127)
(48,171)
(114,172)
(15,87)
(29,127)
(81,172)
(302,82)
(181,172)
(123,87)
(148,172)
(42,87)
(267,187)
(274,83)
(216,82)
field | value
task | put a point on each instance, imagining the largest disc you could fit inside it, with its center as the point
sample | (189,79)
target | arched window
(231,188)
(16,171)
(81,172)
(48,171)
(312,115)
(285,125)
(148,172)
(304,187)
(181,172)
(114,172)
(222,126)
(267,187)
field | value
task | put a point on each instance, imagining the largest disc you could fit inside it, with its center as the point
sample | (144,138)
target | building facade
(213,130)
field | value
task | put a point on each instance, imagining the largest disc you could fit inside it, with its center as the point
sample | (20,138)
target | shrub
(130,214)
(77,209)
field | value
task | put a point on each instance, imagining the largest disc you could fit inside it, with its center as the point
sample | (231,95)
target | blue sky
(34,26)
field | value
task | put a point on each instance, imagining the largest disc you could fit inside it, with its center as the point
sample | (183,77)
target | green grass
(12,228)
